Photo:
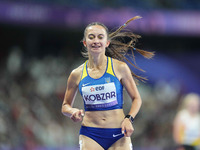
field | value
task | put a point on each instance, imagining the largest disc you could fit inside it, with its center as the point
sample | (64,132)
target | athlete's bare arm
(124,75)
(70,94)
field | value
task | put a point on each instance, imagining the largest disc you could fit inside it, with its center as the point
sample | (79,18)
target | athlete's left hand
(127,127)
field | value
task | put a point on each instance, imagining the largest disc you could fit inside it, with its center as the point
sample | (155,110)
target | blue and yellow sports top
(104,93)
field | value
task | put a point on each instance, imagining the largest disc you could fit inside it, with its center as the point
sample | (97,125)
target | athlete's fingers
(123,129)
(79,113)
(128,133)
(76,116)
(82,113)
(72,116)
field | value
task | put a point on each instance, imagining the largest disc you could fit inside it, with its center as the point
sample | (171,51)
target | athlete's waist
(104,119)
(103,129)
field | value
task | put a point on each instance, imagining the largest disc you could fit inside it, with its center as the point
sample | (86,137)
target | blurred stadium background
(40,45)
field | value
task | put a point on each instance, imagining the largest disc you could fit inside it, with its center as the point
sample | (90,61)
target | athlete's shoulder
(75,75)
(120,65)
(77,71)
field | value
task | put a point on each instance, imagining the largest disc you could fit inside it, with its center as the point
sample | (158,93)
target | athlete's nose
(96,40)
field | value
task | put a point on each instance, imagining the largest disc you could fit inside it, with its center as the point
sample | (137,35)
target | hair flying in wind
(122,44)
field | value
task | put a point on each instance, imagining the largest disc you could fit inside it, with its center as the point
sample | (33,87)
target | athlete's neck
(97,61)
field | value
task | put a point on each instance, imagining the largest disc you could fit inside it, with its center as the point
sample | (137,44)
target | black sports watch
(130,118)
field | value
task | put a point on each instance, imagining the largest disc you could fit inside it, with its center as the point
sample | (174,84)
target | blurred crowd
(31,94)
(95,4)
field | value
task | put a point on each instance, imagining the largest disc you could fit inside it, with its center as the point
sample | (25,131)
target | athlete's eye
(100,36)
(91,36)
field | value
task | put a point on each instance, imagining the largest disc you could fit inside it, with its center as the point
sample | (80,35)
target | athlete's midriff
(104,119)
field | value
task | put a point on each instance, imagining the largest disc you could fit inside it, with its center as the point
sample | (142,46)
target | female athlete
(100,81)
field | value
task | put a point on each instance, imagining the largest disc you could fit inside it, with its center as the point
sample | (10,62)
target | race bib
(100,96)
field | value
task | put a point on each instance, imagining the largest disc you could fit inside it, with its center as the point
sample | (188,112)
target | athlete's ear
(84,43)
(108,43)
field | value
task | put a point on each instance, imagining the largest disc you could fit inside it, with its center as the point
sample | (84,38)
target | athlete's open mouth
(96,46)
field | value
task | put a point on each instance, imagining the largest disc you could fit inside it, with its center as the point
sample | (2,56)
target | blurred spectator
(187,123)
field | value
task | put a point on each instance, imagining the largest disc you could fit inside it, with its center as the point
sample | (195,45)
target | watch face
(131,119)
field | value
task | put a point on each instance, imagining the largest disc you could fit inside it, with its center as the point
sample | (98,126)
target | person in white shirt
(186,129)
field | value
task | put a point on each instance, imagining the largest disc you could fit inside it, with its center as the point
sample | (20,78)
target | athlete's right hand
(77,115)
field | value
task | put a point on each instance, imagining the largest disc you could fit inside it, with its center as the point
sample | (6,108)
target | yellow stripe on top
(110,68)
(196,142)
(84,74)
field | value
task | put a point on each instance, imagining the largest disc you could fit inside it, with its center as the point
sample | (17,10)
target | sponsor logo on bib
(100,96)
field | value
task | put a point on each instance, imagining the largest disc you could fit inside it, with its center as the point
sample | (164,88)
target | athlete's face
(96,39)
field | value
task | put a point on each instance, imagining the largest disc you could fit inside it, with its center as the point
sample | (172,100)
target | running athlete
(100,81)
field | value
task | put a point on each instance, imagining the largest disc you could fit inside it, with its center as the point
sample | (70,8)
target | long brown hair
(122,44)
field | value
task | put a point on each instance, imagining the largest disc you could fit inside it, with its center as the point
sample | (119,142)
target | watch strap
(130,118)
